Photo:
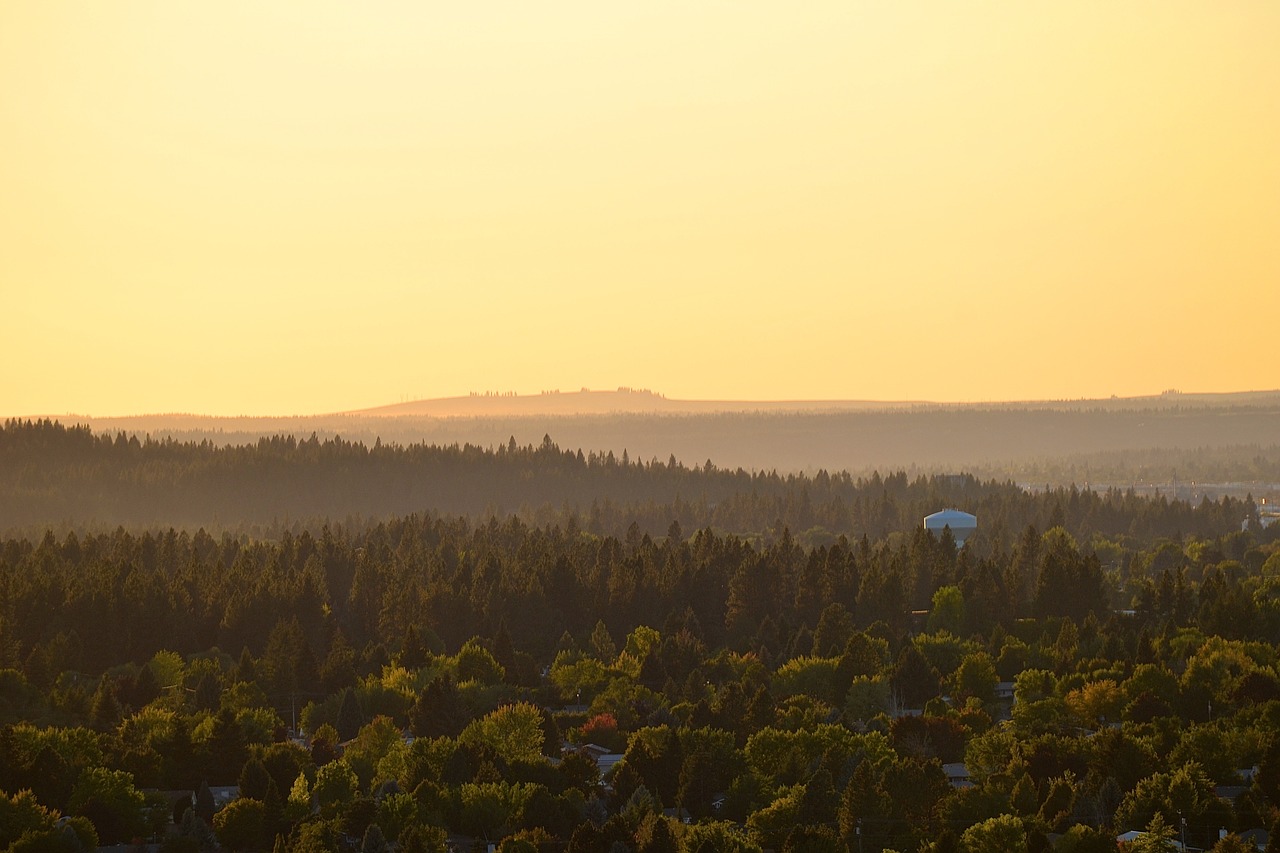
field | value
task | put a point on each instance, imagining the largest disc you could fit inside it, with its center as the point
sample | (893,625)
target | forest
(305,645)
(63,477)
(1208,438)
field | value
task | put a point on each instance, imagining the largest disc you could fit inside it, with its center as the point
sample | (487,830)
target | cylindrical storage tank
(962,524)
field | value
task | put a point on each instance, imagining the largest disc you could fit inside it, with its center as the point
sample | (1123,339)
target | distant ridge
(858,436)
(631,401)
(645,402)
(589,402)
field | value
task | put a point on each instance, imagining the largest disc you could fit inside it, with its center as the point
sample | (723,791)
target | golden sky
(294,208)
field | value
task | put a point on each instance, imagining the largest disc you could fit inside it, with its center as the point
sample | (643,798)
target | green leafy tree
(1158,838)
(241,825)
(299,803)
(111,802)
(948,611)
(476,663)
(655,756)
(317,836)
(1001,834)
(577,677)
(254,780)
(718,837)
(513,732)
(976,676)
(809,838)
(1186,791)
(1232,843)
(867,698)
(370,747)
(809,676)
(490,808)
(396,813)
(336,785)
(20,814)
(773,822)
(324,745)
(417,838)
(1082,838)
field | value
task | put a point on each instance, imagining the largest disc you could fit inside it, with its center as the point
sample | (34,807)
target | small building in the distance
(962,524)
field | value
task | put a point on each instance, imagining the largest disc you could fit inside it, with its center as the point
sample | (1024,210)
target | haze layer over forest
(1166,440)
(57,475)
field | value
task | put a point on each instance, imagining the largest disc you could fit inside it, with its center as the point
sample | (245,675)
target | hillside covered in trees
(1025,441)
(68,476)
(787,663)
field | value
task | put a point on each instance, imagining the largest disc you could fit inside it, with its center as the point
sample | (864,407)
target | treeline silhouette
(54,475)
(1252,464)
(926,438)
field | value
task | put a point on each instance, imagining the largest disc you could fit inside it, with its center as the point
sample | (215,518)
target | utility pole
(858,832)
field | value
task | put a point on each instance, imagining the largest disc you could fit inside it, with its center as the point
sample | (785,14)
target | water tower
(962,524)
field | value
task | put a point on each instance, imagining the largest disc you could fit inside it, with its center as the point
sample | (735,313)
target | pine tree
(226,747)
(602,646)
(349,717)
(413,654)
(104,713)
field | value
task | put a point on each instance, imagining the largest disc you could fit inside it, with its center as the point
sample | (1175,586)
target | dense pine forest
(1121,441)
(307,645)
(69,477)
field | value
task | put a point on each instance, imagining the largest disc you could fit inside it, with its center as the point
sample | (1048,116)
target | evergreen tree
(438,711)
(914,679)
(602,646)
(350,719)
(226,750)
(413,654)
(104,713)
(204,804)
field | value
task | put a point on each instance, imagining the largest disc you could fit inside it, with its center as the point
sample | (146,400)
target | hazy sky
(278,208)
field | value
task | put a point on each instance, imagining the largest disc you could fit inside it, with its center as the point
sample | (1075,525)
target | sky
(301,208)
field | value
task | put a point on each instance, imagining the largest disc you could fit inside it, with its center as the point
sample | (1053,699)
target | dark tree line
(52,475)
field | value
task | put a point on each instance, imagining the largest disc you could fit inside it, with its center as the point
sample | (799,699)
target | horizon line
(383,410)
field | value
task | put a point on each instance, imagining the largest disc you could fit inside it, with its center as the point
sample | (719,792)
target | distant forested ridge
(51,474)
(1002,440)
